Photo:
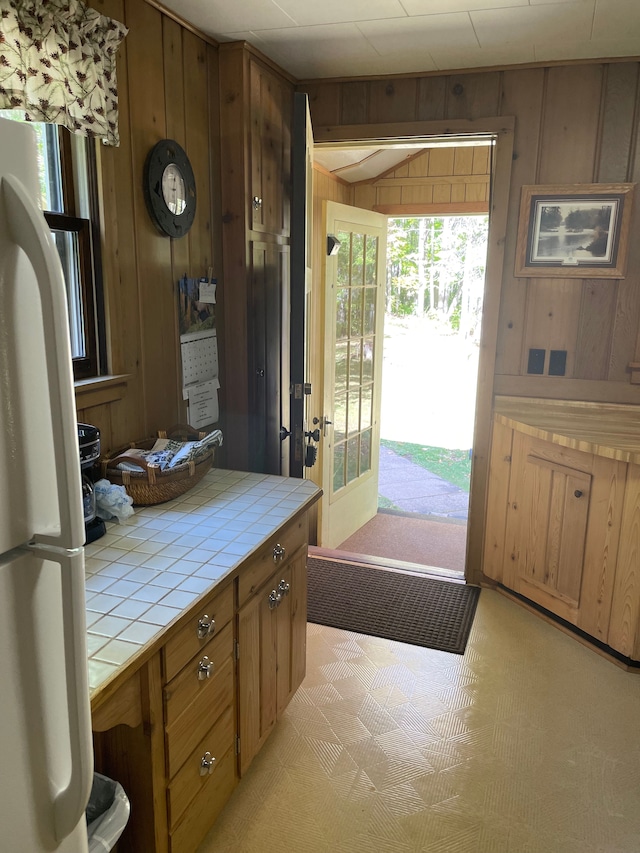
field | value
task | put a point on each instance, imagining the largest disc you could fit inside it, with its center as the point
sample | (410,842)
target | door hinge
(236,650)
(237,744)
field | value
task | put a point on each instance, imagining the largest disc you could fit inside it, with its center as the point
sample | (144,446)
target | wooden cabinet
(199,715)
(556,532)
(272,624)
(169,732)
(256,103)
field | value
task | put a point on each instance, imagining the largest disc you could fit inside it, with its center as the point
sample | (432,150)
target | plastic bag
(107,813)
(112,501)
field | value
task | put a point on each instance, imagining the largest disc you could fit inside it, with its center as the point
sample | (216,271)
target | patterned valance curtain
(58,63)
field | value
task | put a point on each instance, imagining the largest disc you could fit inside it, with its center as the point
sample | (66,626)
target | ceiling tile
(221,16)
(435,7)
(528,24)
(599,48)
(617,19)
(422,33)
(477,57)
(330,50)
(341,11)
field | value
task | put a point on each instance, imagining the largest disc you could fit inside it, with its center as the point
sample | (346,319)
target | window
(68,194)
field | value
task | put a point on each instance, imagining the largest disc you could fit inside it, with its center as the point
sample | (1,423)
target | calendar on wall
(200,381)
(199,356)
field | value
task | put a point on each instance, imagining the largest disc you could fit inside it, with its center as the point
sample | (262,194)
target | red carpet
(412,540)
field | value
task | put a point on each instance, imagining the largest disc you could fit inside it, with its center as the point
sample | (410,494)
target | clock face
(169,188)
(173,189)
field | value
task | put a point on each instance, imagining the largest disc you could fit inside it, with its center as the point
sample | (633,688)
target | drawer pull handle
(206,764)
(206,626)
(278,552)
(274,599)
(283,587)
(205,668)
(578,493)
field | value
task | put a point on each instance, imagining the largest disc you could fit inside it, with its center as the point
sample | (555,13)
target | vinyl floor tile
(527,743)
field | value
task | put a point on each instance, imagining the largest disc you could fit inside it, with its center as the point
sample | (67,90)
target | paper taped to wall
(202,401)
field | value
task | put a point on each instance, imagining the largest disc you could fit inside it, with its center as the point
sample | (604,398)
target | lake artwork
(570,232)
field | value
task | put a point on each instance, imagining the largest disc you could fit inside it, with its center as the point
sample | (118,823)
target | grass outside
(454,466)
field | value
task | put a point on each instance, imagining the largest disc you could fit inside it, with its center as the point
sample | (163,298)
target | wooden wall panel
(570,124)
(430,99)
(435,181)
(621,91)
(355,103)
(125,420)
(390,100)
(163,92)
(473,95)
(522,93)
(553,307)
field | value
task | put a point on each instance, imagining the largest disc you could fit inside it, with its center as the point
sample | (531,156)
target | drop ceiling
(351,38)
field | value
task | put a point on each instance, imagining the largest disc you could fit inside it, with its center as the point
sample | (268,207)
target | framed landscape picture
(574,230)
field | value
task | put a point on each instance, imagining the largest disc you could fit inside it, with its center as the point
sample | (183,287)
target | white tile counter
(141,575)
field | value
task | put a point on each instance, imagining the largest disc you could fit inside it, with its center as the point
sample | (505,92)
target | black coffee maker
(89,445)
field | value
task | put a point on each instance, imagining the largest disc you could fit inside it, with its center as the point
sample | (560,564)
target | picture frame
(574,231)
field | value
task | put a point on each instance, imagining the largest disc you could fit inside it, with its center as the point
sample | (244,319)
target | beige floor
(529,742)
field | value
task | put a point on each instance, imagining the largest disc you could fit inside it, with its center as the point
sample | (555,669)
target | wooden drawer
(186,687)
(187,642)
(188,781)
(260,567)
(206,807)
(188,729)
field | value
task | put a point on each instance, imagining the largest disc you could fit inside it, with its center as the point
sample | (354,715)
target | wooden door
(548,512)
(354,318)
(269,358)
(301,258)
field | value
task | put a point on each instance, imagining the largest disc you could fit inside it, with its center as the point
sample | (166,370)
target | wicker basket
(153,485)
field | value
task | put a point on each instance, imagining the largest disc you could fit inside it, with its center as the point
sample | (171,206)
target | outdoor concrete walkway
(414,489)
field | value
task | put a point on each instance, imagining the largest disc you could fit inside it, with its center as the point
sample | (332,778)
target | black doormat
(412,609)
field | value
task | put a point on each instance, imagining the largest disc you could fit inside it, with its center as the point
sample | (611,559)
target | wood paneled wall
(436,181)
(574,124)
(167,85)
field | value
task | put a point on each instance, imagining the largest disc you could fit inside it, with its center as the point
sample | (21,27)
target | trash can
(107,813)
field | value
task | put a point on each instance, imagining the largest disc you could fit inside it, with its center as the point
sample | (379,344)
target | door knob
(578,493)
(284,433)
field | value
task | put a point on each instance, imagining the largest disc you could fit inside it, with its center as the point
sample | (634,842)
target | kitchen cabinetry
(256,104)
(562,522)
(272,624)
(183,726)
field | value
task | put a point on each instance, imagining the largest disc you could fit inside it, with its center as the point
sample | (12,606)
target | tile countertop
(141,575)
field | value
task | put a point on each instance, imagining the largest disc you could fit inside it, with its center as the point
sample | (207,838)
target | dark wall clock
(170,188)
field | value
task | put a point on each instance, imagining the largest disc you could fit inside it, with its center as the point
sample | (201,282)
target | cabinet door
(257,638)
(292,631)
(271,106)
(547,524)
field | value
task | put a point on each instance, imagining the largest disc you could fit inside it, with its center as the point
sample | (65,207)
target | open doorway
(433,314)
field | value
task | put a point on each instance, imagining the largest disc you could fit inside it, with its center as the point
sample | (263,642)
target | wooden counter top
(605,429)
(143,576)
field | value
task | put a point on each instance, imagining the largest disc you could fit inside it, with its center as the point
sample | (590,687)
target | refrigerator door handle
(70,802)
(28,230)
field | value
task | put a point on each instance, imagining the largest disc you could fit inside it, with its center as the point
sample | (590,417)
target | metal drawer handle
(274,599)
(283,587)
(278,552)
(206,764)
(205,668)
(257,202)
(206,626)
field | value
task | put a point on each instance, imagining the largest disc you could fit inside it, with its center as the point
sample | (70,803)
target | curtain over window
(58,63)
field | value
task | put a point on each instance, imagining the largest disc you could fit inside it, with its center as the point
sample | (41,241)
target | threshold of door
(384,562)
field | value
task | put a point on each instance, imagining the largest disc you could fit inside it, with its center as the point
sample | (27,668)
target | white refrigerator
(46,757)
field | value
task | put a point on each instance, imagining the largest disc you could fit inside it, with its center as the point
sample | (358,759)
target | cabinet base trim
(586,639)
